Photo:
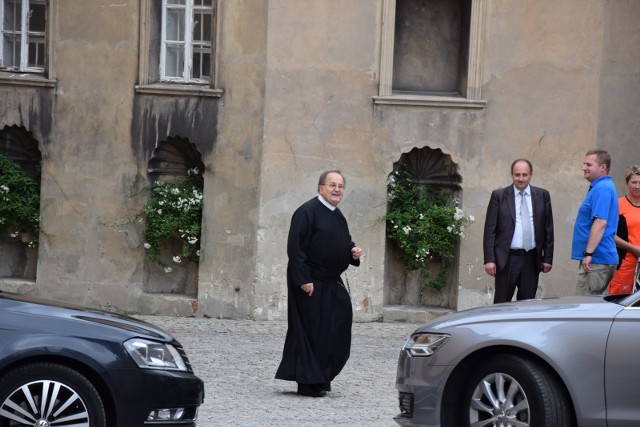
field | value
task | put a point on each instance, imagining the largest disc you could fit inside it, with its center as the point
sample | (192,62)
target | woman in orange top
(628,235)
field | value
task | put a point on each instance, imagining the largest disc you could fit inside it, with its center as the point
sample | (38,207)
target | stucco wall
(233,183)
(543,67)
(89,164)
(299,77)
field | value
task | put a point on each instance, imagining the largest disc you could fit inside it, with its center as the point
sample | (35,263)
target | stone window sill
(179,90)
(429,100)
(25,79)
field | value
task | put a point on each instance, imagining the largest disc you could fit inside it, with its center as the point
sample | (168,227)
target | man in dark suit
(518,235)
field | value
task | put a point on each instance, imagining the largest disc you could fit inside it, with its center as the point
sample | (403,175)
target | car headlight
(425,344)
(155,355)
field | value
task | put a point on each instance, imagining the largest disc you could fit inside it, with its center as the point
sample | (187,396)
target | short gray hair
(323,177)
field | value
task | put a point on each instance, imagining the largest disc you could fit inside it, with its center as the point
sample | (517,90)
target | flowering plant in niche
(174,209)
(425,224)
(19,203)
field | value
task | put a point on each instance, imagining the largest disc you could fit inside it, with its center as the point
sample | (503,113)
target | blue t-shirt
(601,202)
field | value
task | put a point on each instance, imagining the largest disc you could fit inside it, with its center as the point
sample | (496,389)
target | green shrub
(425,225)
(19,202)
(174,209)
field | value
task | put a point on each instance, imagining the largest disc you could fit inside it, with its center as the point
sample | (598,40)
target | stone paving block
(237,359)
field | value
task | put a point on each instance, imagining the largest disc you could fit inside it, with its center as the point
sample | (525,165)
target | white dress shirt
(516,242)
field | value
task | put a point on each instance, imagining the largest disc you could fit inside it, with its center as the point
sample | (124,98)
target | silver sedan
(570,361)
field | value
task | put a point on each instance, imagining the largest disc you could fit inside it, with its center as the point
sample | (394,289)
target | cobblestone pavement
(237,361)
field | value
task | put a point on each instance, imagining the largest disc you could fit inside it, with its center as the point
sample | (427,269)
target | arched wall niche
(18,258)
(433,169)
(19,145)
(173,158)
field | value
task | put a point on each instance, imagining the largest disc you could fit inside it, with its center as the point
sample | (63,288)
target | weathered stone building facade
(275,92)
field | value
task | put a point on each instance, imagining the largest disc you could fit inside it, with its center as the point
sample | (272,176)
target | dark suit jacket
(500,224)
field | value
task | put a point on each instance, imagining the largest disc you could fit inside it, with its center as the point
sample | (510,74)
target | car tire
(66,393)
(514,391)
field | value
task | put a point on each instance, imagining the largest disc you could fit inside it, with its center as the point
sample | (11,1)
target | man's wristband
(585,253)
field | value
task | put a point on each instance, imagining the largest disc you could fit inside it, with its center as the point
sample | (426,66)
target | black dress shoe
(311,390)
(326,386)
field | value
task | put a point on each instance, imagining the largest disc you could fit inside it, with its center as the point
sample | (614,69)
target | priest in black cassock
(320,249)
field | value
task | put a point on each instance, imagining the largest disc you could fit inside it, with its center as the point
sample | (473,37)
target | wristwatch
(585,253)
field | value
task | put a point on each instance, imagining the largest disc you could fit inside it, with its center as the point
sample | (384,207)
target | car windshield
(627,300)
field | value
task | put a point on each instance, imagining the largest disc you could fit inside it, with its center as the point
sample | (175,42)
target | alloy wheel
(44,403)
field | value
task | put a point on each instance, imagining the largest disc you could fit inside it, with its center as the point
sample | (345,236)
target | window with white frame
(186,41)
(23,35)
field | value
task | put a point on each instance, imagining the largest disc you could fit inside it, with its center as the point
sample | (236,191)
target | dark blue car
(63,365)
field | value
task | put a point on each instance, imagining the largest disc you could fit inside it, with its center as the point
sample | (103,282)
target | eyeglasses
(334,186)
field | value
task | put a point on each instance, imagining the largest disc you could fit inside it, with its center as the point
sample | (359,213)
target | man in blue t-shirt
(595,228)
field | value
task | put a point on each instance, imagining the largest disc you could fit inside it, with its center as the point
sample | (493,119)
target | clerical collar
(327,204)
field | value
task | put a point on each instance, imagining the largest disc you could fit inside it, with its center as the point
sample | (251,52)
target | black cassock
(318,338)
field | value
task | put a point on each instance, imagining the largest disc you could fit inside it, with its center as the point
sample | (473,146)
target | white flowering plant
(174,209)
(19,203)
(425,224)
